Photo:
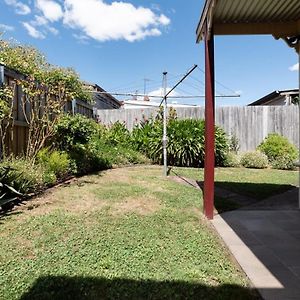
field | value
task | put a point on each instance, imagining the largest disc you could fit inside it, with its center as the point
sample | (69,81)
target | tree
(45,91)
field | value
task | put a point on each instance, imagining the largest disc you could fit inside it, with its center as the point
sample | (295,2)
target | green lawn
(258,184)
(122,234)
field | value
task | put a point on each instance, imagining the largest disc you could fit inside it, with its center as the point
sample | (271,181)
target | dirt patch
(73,201)
(142,206)
(77,195)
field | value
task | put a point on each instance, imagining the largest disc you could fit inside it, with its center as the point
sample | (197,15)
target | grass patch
(111,248)
(258,184)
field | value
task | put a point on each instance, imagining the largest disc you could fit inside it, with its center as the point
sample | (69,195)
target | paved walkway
(264,237)
(266,243)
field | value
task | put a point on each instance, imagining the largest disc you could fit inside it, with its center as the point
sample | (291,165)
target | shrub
(120,154)
(56,164)
(117,134)
(280,152)
(255,160)
(185,142)
(87,158)
(76,135)
(23,175)
(72,130)
(232,160)
(283,163)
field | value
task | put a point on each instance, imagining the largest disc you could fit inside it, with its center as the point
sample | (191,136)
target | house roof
(274,95)
(128,104)
(281,18)
(102,93)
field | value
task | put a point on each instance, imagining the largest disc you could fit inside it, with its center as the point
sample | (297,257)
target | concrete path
(264,237)
(266,243)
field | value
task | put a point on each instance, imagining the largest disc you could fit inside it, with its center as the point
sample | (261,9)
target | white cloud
(5,27)
(238,92)
(50,9)
(32,31)
(39,21)
(160,92)
(53,30)
(294,67)
(115,21)
(20,8)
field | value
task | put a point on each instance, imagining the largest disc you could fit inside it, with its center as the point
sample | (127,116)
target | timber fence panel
(250,124)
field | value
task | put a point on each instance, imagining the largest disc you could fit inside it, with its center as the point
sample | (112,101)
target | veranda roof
(281,18)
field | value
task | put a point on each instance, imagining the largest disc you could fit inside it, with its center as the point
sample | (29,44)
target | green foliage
(280,152)
(33,64)
(76,135)
(23,175)
(117,134)
(56,164)
(6,95)
(46,89)
(234,145)
(232,160)
(283,163)
(185,142)
(120,154)
(72,130)
(7,192)
(94,147)
(87,158)
(255,160)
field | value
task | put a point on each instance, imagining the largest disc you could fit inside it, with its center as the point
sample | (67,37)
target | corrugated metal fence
(250,124)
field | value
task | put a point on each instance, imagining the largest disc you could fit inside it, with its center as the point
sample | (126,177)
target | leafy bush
(56,164)
(280,152)
(117,134)
(283,163)
(185,142)
(255,160)
(76,135)
(87,158)
(73,130)
(232,160)
(23,175)
(120,154)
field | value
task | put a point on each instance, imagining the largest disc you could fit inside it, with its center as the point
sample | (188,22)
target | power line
(159,97)
(219,83)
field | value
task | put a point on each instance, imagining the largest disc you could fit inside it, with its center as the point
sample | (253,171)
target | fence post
(1,75)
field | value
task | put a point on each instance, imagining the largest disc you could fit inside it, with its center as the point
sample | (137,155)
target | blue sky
(118,44)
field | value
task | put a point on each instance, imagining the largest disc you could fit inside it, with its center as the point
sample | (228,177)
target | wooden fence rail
(250,124)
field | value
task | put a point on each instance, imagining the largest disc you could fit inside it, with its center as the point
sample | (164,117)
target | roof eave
(207,10)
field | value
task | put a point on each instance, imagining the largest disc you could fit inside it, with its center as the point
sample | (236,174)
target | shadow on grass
(86,288)
(257,191)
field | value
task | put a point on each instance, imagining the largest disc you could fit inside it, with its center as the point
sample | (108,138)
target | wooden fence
(250,124)
(16,139)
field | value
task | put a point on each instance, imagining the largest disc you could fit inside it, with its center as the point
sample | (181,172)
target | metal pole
(165,138)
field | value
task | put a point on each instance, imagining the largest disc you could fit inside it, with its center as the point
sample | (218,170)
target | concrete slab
(267,246)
